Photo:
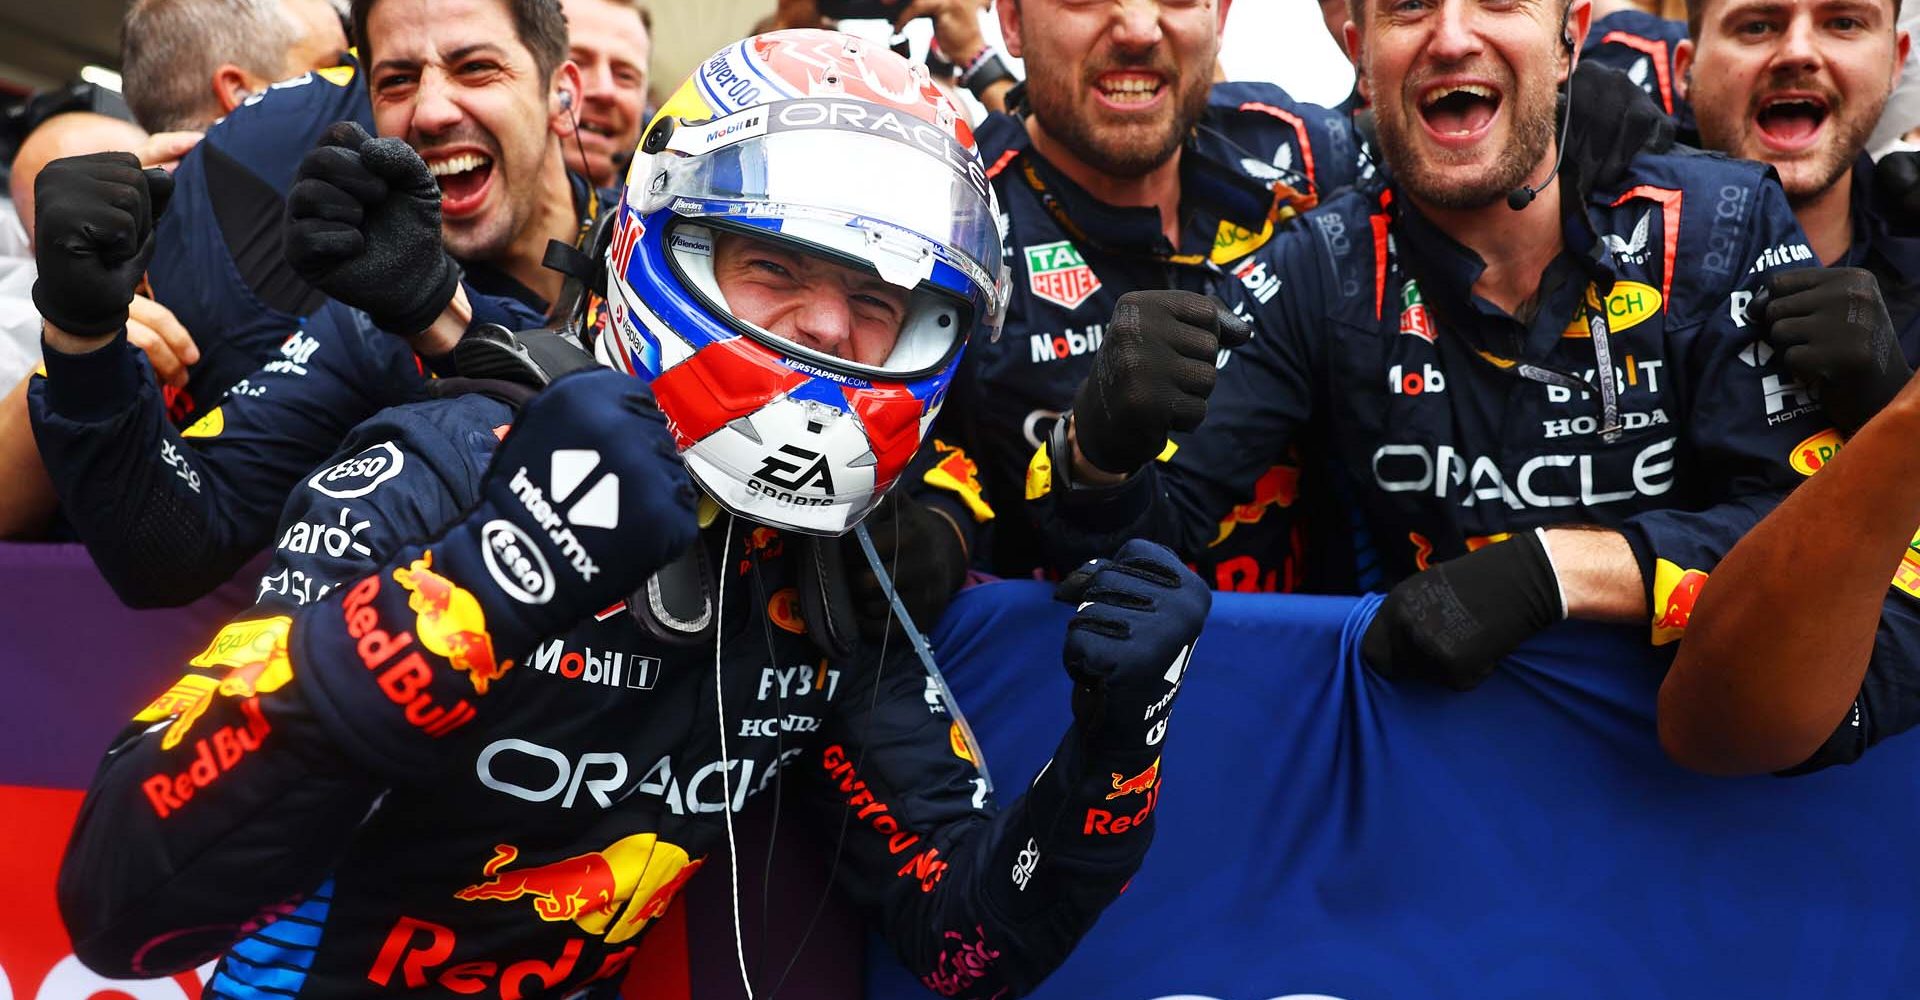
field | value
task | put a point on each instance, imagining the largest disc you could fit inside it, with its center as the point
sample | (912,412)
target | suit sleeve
(1889,700)
(1749,432)
(169,514)
(975,902)
(235,791)
(1264,396)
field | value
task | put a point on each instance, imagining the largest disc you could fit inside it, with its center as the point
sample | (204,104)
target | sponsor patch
(515,563)
(1674,591)
(1813,454)
(360,475)
(208,426)
(1057,273)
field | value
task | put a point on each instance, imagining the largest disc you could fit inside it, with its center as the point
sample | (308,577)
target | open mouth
(1130,90)
(463,181)
(1459,110)
(1790,121)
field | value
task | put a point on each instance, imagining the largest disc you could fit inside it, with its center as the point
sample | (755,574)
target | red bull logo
(959,475)
(1140,784)
(1674,592)
(255,649)
(449,622)
(1277,488)
(640,871)
(784,608)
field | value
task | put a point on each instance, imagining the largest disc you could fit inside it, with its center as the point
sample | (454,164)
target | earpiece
(1567,40)
(566,100)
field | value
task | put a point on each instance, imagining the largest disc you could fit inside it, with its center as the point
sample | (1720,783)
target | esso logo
(361,474)
(514,563)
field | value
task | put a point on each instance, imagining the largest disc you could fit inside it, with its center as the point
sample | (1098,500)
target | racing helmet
(825,146)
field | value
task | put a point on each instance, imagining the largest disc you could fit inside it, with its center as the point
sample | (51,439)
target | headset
(1519,198)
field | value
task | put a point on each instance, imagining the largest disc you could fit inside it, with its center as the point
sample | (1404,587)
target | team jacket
(1641,45)
(342,820)
(170,513)
(1889,699)
(1453,424)
(218,262)
(1256,160)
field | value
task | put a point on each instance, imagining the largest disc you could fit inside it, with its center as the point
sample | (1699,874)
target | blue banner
(1324,832)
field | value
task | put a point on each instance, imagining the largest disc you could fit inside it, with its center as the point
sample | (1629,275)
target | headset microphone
(1519,198)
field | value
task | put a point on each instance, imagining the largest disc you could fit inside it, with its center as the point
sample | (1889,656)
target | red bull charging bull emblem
(959,475)
(255,649)
(1277,488)
(640,871)
(1674,591)
(450,623)
(1139,784)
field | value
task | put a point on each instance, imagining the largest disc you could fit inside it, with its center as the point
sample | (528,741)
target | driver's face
(814,303)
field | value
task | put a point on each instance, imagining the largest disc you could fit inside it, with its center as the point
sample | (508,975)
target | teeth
(1130,89)
(1470,89)
(596,129)
(457,164)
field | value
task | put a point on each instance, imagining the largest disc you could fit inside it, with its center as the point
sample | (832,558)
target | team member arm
(235,792)
(1096,483)
(979,903)
(1768,682)
(166,523)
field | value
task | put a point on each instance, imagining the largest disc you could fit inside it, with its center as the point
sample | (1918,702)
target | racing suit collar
(1447,271)
(489,280)
(1213,189)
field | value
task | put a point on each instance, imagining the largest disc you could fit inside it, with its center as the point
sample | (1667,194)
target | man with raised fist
(353,787)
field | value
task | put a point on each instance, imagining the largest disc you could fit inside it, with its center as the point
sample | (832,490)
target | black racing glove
(1452,623)
(1831,326)
(94,218)
(1614,121)
(363,226)
(590,477)
(1153,374)
(931,566)
(1896,188)
(1127,647)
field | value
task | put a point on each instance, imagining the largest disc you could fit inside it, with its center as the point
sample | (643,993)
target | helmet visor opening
(795,291)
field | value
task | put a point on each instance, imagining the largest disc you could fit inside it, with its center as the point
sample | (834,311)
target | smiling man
(1488,353)
(479,87)
(611,41)
(1124,168)
(482,89)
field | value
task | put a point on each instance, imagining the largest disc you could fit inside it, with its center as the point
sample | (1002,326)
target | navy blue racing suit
(558,807)
(1641,45)
(1633,396)
(1255,161)
(168,514)
(218,263)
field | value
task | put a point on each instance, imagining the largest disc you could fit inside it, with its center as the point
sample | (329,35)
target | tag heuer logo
(1057,273)
(1415,321)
